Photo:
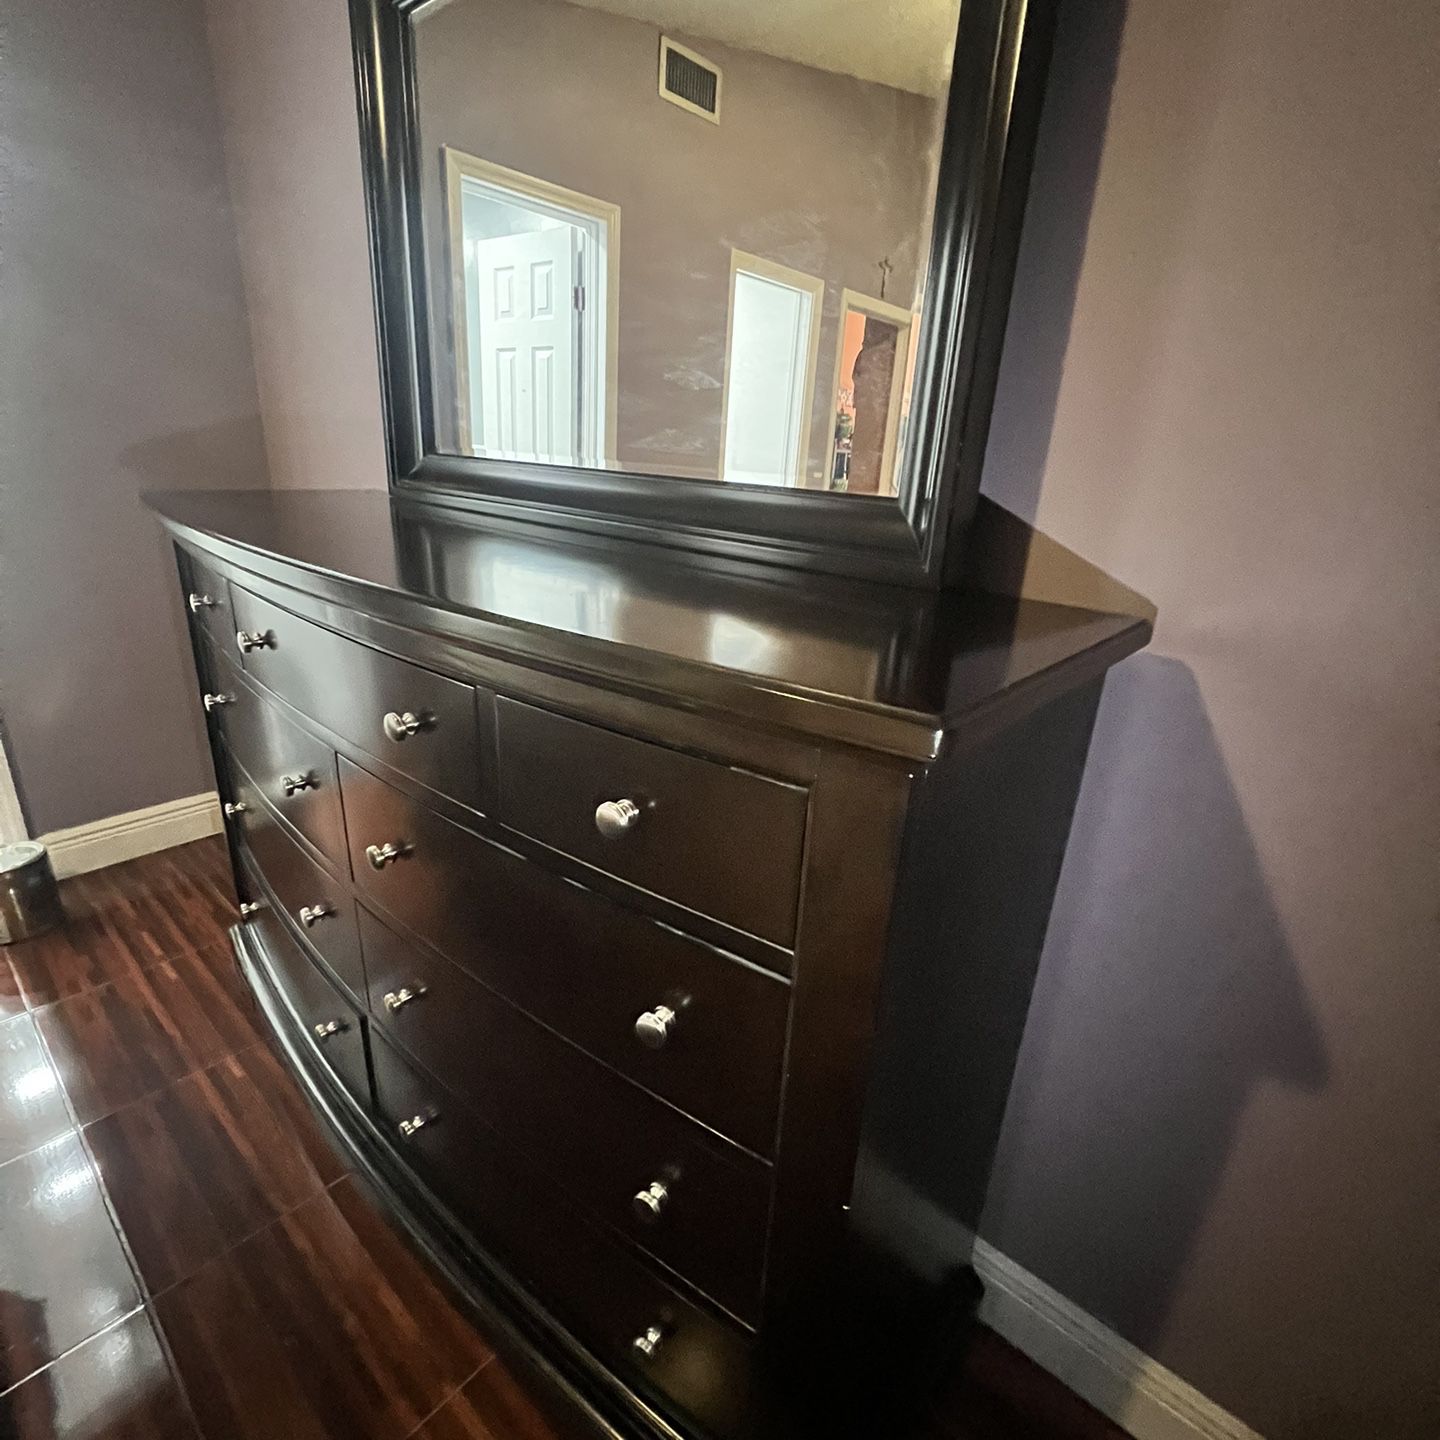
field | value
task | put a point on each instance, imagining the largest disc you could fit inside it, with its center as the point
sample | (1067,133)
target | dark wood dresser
(658,934)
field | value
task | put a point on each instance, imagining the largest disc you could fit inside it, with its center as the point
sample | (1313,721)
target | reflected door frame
(853,301)
(460,167)
(742,262)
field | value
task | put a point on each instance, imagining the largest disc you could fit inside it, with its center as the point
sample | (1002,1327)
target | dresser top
(877,666)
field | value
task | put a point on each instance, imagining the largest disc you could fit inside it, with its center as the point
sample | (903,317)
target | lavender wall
(124,365)
(1225,1135)
(292,153)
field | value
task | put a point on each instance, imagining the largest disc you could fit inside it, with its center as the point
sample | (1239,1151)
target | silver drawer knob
(647,1344)
(198,602)
(326,1028)
(249,908)
(214,702)
(232,809)
(291,783)
(398,999)
(649,1204)
(654,1027)
(249,640)
(417,1122)
(401,725)
(380,856)
(311,915)
(613,818)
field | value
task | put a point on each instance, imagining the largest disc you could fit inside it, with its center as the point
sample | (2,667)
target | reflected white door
(525,363)
(769,378)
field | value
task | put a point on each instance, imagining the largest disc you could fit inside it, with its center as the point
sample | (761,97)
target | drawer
(696,1204)
(207,597)
(605,1296)
(313,898)
(721,841)
(600,974)
(292,769)
(419,723)
(332,1026)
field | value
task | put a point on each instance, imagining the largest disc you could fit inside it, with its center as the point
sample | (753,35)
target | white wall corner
(12,817)
(82,848)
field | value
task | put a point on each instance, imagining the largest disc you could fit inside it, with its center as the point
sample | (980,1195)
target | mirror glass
(680,237)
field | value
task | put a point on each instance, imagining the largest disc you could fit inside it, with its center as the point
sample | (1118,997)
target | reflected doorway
(770,352)
(874,370)
(534,285)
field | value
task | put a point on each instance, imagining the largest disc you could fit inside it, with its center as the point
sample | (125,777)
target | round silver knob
(416,1122)
(249,908)
(311,915)
(653,1028)
(200,602)
(326,1028)
(380,856)
(238,807)
(398,999)
(400,726)
(648,1343)
(613,818)
(249,640)
(649,1204)
(214,702)
(291,783)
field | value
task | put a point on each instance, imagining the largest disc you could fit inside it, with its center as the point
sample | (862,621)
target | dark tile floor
(183,1256)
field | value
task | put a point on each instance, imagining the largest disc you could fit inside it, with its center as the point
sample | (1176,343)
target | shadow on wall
(1167,995)
(1052,249)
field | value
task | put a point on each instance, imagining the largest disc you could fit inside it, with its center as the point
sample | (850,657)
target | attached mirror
(677,237)
(641,242)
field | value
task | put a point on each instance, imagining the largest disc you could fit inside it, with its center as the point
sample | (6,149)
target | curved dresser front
(590,979)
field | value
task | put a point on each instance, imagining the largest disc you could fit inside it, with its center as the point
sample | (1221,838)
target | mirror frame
(992,113)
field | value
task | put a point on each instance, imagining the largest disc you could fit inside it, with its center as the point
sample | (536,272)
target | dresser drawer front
(585,966)
(602,1139)
(605,1296)
(314,899)
(292,769)
(207,597)
(720,841)
(419,723)
(333,1028)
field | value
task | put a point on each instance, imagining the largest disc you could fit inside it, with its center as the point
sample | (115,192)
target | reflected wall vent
(689,80)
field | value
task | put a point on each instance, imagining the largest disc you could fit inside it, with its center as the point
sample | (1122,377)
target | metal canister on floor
(29,897)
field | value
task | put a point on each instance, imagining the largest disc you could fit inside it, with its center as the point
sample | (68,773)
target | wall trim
(82,848)
(1122,1382)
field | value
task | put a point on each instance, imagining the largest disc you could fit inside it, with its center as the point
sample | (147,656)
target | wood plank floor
(183,1254)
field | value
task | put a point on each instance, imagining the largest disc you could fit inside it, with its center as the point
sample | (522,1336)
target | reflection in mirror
(773,163)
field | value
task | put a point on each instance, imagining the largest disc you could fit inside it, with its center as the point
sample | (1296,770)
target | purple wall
(1221,384)
(125,365)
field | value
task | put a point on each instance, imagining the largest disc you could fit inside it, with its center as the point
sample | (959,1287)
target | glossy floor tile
(12,1002)
(495,1406)
(127,917)
(116,1386)
(32,1104)
(206,1162)
(322,1325)
(146,1029)
(63,1273)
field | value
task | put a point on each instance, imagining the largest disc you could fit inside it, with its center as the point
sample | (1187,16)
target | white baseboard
(82,848)
(1139,1394)
(1123,1383)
